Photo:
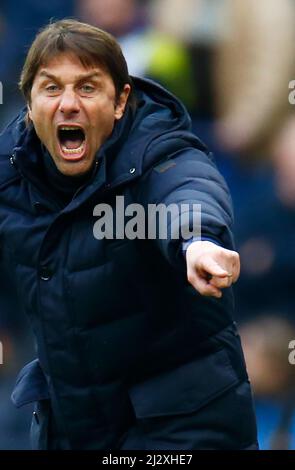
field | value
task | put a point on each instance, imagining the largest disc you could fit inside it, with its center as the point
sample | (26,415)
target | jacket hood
(156,104)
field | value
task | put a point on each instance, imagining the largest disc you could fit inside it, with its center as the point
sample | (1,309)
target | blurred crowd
(230,62)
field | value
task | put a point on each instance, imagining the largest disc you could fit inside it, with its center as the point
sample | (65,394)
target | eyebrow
(78,78)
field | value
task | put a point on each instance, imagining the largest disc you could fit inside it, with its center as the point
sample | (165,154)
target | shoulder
(186,157)
(177,144)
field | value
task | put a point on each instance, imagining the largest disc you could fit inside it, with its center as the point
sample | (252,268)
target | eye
(87,89)
(52,88)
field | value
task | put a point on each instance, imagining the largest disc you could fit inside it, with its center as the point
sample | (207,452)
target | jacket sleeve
(189,179)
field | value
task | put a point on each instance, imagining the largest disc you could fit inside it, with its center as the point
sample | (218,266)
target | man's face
(73,110)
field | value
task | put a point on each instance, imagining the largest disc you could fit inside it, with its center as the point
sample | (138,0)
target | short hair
(91,45)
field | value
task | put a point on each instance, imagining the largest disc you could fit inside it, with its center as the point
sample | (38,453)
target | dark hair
(91,45)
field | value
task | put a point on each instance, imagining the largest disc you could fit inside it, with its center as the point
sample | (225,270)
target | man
(136,344)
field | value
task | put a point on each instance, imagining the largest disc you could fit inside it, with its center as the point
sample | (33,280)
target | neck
(64,186)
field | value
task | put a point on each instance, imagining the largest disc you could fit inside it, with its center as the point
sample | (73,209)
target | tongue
(72,143)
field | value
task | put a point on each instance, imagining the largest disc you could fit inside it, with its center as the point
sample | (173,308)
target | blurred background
(230,62)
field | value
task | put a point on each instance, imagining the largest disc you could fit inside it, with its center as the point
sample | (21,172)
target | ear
(122,101)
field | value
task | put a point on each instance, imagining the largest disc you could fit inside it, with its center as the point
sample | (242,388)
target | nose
(69,103)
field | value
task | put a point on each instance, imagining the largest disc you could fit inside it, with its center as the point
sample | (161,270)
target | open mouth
(72,141)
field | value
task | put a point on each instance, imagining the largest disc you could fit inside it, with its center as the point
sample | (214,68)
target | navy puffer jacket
(112,317)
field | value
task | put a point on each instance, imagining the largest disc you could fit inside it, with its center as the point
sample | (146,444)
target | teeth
(72,151)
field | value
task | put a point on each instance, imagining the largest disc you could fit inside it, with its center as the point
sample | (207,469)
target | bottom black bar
(147,459)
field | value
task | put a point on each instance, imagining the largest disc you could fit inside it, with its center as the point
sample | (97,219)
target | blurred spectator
(243,62)
(255,62)
(198,26)
(190,21)
(265,341)
(148,51)
(284,163)
(265,227)
(118,17)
